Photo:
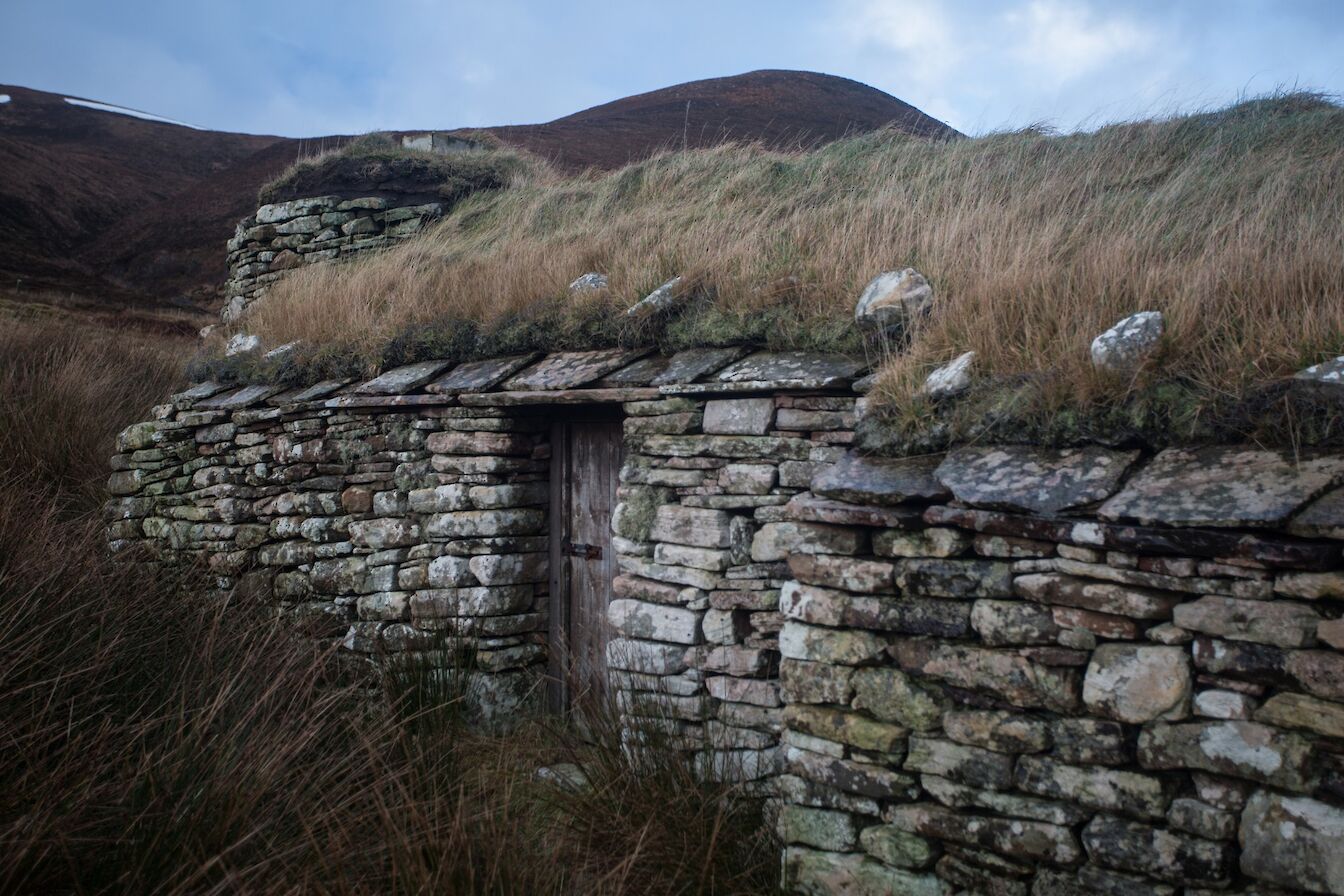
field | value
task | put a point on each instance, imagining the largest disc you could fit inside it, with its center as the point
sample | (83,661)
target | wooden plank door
(585,467)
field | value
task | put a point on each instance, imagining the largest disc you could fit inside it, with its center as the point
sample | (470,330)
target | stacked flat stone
(1084,674)
(1005,669)
(696,613)
(283,236)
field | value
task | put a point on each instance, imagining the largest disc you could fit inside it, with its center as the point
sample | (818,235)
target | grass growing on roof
(1230,222)
(378,161)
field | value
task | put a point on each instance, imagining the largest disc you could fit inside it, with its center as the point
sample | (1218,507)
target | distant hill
(782,109)
(120,207)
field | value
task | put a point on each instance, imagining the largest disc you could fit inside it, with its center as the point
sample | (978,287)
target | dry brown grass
(1230,222)
(156,743)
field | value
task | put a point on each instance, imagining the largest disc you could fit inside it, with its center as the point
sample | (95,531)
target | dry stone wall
(283,236)
(1068,672)
(1003,670)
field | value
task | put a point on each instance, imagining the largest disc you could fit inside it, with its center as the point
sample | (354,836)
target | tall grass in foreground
(154,743)
(1230,222)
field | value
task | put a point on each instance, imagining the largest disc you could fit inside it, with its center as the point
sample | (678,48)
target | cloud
(1068,40)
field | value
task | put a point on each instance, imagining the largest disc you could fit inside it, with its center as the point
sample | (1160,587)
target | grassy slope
(1230,222)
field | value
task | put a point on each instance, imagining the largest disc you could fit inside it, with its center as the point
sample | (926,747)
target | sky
(306,68)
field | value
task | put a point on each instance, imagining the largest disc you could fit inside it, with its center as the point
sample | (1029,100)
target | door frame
(558,679)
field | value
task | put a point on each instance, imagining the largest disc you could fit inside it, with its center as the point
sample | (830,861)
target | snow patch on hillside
(134,113)
(4,98)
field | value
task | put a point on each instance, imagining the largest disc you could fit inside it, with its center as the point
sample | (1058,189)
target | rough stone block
(820,828)
(824,645)
(1176,858)
(1036,480)
(1240,749)
(776,541)
(954,578)
(847,573)
(959,762)
(1027,840)
(739,416)
(1004,674)
(1279,622)
(813,873)
(1138,683)
(805,682)
(931,542)
(892,696)
(1012,622)
(1113,790)
(898,848)
(647,657)
(1293,842)
(1288,710)
(1118,600)
(846,727)
(874,480)
(997,730)
(654,622)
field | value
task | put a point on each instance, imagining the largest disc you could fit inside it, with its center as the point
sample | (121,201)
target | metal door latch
(586,551)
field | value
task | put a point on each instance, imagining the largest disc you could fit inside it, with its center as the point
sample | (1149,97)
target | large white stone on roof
(1331,371)
(894,298)
(241,343)
(1122,348)
(951,379)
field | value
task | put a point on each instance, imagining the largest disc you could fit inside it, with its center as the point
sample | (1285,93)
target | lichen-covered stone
(695,526)
(1114,790)
(825,645)
(1122,349)
(739,416)
(1177,858)
(1028,840)
(478,523)
(846,727)
(847,573)
(1004,674)
(873,480)
(776,541)
(1222,486)
(819,828)
(1011,622)
(960,796)
(648,657)
(1288,710)
(954,578)
(997,730)
(654,622)
(932,542)
(1138,683)
(813,873)
(1293,842)
(1117,600)
(805,682)
(851,776)
(892,696)
(1201,819)
(1241,749)
(969,765)
(1281,623)
(1038,480)
(896,847)
(894,299)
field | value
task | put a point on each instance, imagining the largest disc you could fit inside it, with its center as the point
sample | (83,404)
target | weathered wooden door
(585,465)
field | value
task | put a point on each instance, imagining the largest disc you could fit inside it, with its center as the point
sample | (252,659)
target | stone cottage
(1006,669)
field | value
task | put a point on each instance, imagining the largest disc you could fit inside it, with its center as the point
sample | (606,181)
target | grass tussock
(159,743)
(1230,222)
